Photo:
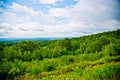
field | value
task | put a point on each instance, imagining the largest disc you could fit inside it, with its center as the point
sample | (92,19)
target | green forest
(91,57)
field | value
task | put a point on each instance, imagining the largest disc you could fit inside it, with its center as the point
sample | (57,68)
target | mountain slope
(89,57)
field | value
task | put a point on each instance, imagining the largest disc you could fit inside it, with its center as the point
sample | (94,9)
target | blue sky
(57,18)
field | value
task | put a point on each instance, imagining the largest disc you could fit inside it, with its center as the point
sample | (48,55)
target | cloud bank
(83,18)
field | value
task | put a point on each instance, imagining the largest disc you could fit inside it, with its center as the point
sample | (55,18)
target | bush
(106,72)
(50,64)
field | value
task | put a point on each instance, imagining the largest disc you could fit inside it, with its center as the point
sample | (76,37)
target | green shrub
(106,72)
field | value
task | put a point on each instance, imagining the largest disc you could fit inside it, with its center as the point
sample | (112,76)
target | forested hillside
(92,57)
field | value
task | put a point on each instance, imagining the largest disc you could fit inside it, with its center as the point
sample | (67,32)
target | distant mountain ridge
(22,39)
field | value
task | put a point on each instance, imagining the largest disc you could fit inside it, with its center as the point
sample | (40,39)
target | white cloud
(1,10)
(86,16)
(52,2)
(21,20)
(57,12)
(110,25)
(30,29)
(5,29)
(48,1)
(14,18)
(23,9)
(30,26)
(79,19)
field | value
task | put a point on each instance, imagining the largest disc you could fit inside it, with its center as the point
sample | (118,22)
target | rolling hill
(92,57)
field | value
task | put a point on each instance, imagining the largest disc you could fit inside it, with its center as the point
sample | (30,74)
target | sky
(57,18)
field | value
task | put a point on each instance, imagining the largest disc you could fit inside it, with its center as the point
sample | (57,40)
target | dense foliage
(92,57)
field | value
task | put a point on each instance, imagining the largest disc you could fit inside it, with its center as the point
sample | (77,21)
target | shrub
(106,72)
